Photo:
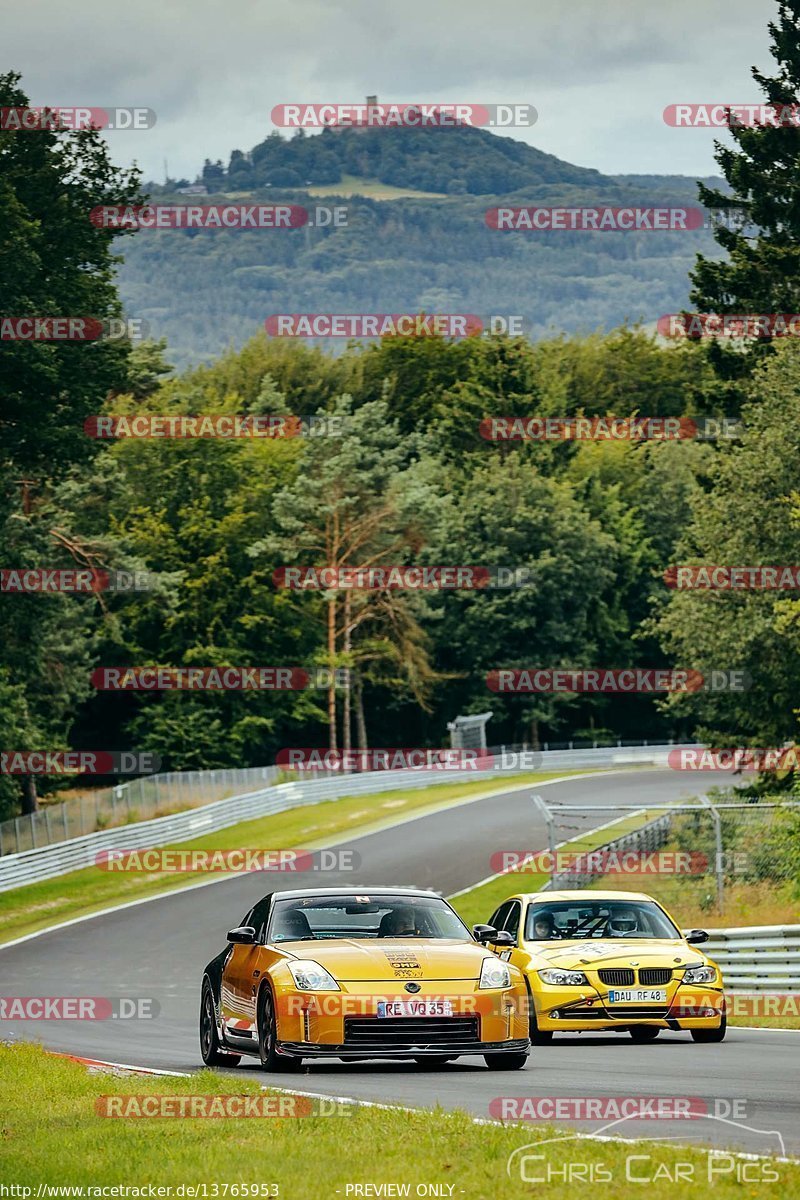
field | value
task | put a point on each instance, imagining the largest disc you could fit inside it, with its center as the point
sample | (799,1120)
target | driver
(543,927)
(400,922)
(622,922)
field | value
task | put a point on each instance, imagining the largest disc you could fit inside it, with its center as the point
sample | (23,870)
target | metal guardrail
(31,866)
(757,958)
(646,838)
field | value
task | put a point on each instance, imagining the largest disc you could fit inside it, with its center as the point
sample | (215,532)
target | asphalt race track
(159,948)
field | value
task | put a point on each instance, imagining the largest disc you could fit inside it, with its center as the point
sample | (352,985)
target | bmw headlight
(311,977)
(563,978)
(699,975)
(494,974)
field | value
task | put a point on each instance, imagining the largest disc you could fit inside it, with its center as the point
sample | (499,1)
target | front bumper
(688,1006)
(315,1050)
(347,1021)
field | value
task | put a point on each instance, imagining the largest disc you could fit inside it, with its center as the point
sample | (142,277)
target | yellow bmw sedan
(610,961)
(348,973)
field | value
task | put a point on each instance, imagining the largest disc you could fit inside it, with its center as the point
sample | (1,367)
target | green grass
(356,185)
(478,904)
(51,1134)
(39,905)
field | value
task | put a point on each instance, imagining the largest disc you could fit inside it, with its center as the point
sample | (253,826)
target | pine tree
(761,273)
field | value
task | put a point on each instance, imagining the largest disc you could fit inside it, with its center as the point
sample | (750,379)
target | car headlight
(563,978)
(311,977)
(494,974)
(699,975)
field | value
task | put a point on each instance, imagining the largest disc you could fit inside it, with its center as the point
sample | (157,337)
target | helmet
(622,922)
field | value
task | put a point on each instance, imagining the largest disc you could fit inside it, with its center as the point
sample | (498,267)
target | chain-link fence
(704,857)
(160,795)
(137,800)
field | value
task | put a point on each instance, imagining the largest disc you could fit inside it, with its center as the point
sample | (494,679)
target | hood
(616,952)
(351,959)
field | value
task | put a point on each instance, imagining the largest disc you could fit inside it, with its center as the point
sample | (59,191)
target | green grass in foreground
(39,905)
(52,1135)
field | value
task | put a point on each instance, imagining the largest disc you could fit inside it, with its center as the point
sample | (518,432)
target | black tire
(505,1062)
(539,1037)
(210,1050)
(711,1035)
(644,1033)
(268,1037)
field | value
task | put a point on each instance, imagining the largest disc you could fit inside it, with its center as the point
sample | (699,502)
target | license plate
(638,996)
(415,1008)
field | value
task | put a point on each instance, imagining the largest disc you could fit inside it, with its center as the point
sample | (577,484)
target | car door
(241,975)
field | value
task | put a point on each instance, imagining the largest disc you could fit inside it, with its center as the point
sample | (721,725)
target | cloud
(599,74)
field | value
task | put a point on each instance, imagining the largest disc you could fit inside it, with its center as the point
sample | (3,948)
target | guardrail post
(47,825)
(719,869)
(33,832)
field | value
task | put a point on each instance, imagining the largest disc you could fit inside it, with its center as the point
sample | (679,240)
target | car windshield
(364,916)
(573,920)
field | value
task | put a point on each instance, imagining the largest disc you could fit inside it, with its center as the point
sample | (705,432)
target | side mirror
(695,936)
(484,933)
(504,938)
(245,935)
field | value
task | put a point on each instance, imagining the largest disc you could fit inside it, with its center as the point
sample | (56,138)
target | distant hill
(427,250)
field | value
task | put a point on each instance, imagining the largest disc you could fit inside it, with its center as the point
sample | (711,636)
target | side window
(512,919)
(500,915)
(258,917)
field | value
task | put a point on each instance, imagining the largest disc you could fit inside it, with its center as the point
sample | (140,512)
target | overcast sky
(599,73)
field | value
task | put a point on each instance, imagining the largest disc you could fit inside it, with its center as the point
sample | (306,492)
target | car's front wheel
(539,1037)
(505,1062)
(712,1035)
(268,1037)
(213,1056)
(644,1033)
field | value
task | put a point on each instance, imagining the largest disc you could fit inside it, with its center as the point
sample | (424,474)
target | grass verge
(39,905)
(52,1135)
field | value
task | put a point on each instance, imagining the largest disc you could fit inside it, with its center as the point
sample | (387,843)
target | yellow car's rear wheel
(213,1056)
